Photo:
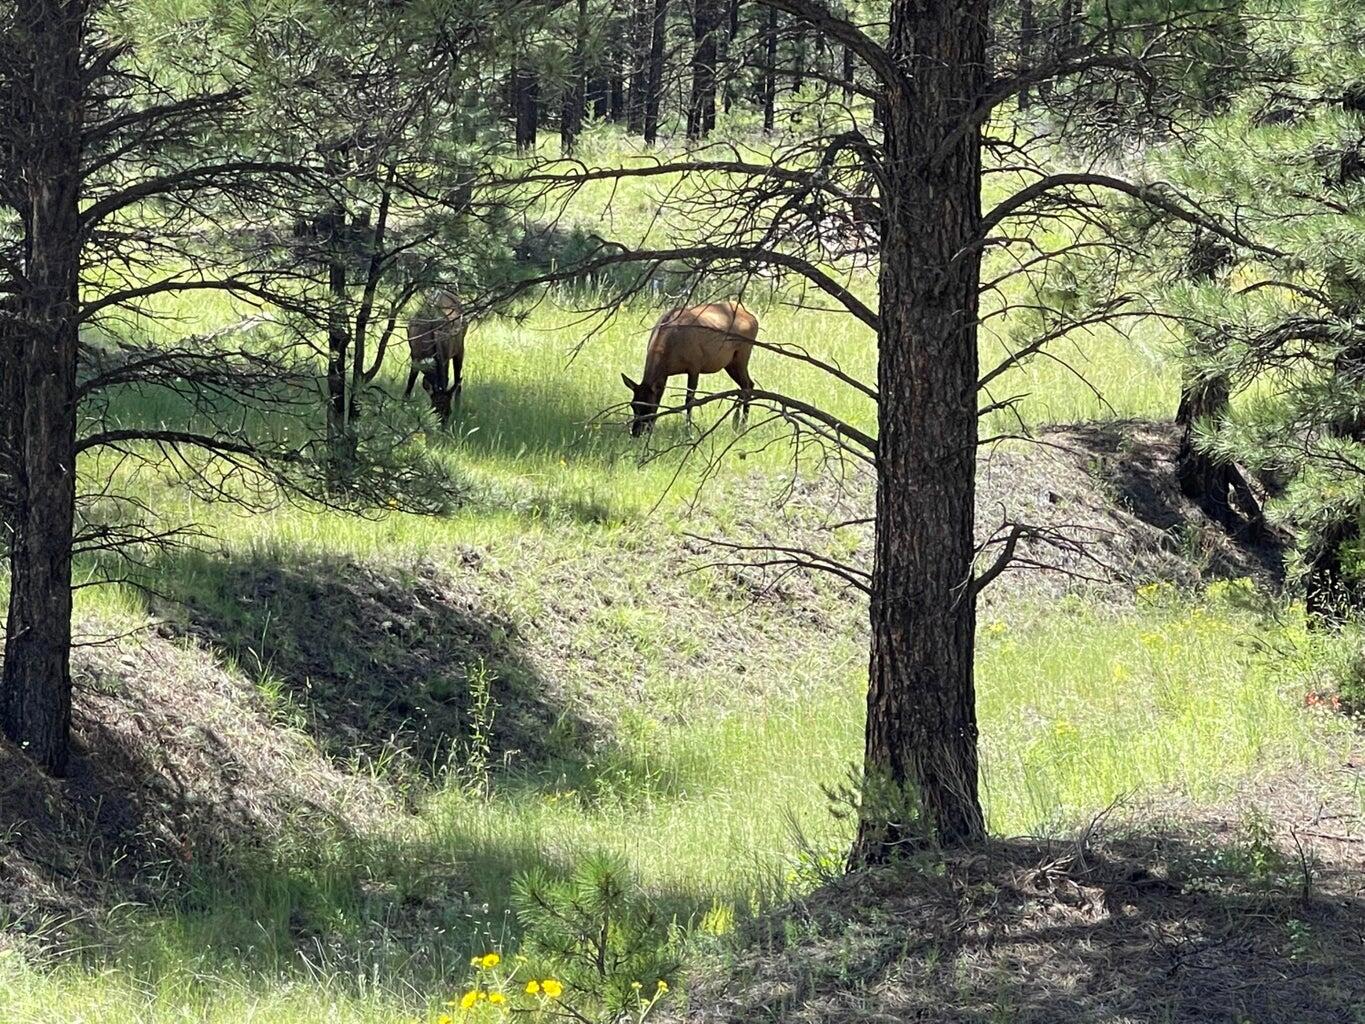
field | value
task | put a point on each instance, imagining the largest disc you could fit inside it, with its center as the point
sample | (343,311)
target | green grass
(1080,705)
(707,768)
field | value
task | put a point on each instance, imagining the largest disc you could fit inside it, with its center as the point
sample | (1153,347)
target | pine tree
(1286,331)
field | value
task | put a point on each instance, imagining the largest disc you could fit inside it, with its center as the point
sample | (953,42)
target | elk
(436,346)
(693,340)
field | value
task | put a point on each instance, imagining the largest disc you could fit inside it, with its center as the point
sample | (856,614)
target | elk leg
(412,379)
(691,393)
(457,365)
(740,375)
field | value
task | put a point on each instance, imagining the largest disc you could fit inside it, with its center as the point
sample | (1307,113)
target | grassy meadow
(721,717)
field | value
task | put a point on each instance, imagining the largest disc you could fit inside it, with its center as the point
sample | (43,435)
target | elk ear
(630,383)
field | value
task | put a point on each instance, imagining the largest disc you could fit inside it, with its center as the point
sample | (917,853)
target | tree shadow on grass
(263,819)
(1136,459)
(378,661)
(1155,927)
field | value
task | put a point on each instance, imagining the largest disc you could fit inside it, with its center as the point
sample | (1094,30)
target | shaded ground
(1109,489)
(375,662)
(284,703)
(1222,918)
(176,765)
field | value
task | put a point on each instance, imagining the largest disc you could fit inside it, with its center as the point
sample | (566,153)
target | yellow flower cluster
(472,998)
(548,987)
(490,990)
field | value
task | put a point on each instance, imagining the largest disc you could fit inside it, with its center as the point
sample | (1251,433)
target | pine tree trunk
(576,93)
(1218,486)
(1061,36)
(654,86)
(727,54)
(921,707)
(599,97)
(35,693)
(1330,596)
(770,71)
(848,73)
(616,96)
(1027,33)
(799,57)
(640,30)
(1199,474)
(338,338)
(701,111)
(526,91)
(11,402)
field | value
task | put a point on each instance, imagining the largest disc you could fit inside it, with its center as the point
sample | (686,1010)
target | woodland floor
(1161,913)
(1153,914)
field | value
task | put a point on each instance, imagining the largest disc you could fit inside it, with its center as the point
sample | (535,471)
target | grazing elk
(436,347)
(693,340)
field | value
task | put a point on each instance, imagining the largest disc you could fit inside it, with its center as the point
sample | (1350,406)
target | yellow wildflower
(663,986)
(636,985)
(445,1018)
(468,1000)
(532,987)
(552,988)
(486,962)
(497,998)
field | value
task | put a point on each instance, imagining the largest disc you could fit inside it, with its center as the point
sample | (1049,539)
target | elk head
(442,399)
(644,405)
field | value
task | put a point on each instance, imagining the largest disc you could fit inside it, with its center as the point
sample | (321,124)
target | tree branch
(1149,194)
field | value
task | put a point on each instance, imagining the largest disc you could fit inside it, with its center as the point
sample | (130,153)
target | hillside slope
(312,696)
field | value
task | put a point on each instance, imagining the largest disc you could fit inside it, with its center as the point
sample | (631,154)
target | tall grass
(1080,705)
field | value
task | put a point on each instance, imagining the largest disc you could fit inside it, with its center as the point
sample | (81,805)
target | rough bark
(1217,486)
(921,706)
(706,26)
(10,404)
(1028,32)
(640,28)
(599,97)
(526,95)
(35,693)
(1331,596)
(727,53)
(338,334)
(654,85)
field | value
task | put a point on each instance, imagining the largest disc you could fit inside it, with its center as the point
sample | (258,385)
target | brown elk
(436,346)
(693,340)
